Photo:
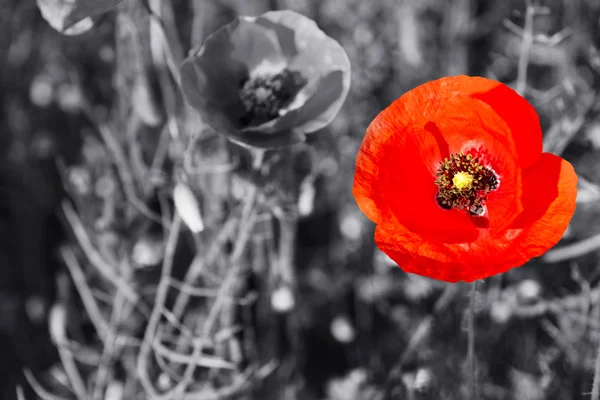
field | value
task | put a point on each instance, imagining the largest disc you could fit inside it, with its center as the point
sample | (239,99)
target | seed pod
(188,208)
(306,198)
(58,322)
(145,103)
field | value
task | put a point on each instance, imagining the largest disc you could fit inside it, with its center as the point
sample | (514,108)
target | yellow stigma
(462,180)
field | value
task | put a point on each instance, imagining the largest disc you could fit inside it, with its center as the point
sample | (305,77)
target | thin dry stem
(203,360)
(164,37)
(287,246)
(424,328)
(96,258)
(573,250)
(109,348)
(248,219)
(57,323)
(20,394)
(199,262)
(525,49)
(87,297)
(38,388)
(161,295)
(123,167)
(596,384)
(471,343)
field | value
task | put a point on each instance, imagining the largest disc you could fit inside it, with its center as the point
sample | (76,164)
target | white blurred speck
(529,290)
(114,391)
(268,68)
(423,380)
(329,167)
(81,27)
(306,199)
(57,322)
(69,98)
(363,35)
(342,330)
(501,312)
(164,381)
(36,309)
(42,145)
(408,35)
(417,287)
(282,299)
(105,187)
(147,252)
(383,263)
(351,226)
(107,54)
(80,180)
(41,92)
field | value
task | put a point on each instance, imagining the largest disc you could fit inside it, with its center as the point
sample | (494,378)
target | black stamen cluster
(264,96)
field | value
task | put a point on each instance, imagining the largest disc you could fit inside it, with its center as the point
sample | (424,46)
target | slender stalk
(38,388)
(471,343)
(161,296)
(525,48)
(596,385)
(287,249)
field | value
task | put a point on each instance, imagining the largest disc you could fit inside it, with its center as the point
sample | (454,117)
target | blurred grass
(362,328)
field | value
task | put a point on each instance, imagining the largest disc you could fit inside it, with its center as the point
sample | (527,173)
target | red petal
(398,177)
(517,113)
(550,190)
(419,106)
(435,261)
(520,117)
(415,108)
(467,123)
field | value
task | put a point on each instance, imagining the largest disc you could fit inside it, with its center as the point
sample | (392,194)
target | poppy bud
(58,321)
(188,208)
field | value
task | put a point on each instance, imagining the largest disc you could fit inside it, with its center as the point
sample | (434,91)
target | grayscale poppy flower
(267,81)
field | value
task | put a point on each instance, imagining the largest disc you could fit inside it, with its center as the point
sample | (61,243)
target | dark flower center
(264,96)
(463,183)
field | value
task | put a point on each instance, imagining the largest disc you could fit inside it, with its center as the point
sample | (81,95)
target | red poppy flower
(267,81)
(454,176)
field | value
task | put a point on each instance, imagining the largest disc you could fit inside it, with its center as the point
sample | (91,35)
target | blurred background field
(359,327)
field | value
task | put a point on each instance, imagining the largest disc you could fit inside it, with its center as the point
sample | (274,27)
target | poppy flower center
(464,183)
(462,180)
(264,96)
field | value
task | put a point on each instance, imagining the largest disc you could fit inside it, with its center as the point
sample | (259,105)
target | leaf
(64,15)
